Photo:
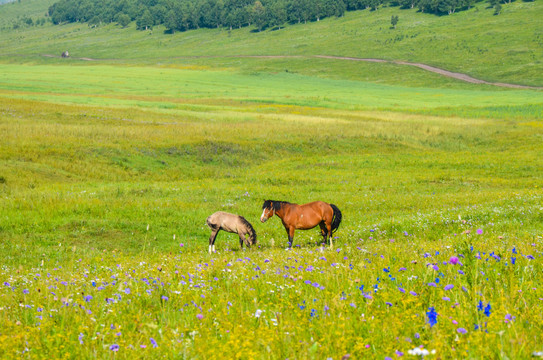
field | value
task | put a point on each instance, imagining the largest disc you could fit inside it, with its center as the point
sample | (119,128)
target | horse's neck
(283,210)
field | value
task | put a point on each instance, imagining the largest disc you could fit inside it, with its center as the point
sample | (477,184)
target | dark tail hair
(252,232)
(336,219)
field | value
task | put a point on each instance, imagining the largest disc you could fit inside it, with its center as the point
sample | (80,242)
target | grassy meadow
(109,168)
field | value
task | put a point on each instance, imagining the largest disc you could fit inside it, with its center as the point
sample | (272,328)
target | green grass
(109,169)
(504,48)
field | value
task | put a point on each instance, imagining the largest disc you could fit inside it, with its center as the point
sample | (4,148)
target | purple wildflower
(413,293)
(153,341)
(453,260)
(114,347)
(448,287)
(200,316)
(461,330)
(479,231)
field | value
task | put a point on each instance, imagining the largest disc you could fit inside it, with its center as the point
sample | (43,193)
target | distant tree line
(182,15)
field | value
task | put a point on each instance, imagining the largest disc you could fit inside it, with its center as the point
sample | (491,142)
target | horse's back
(223,220)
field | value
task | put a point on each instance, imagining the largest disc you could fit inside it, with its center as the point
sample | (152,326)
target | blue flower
(153,341)
(480,306)
(432,316)
(487,309)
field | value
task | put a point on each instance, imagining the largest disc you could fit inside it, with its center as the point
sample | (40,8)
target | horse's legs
(324,232)
(329,228)
(212,238)
(290,233)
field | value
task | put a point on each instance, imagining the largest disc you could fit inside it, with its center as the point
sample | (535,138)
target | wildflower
(398,353)
(153,341)
(432,316)
(460,272)
(165,298)
(513,260)
(401,290)
(487,310)
(480,306)
(388,303)
(461,330)
(420,352)
(25,291)
(258,312)
(530,257)
(413,293)
(386,269)
(448,287)
(446,298)
(88,298)
(200,316)
(432,284)
(127,291)
(509,317)
(114,347)
(80,338)
(479,231)
(453,260)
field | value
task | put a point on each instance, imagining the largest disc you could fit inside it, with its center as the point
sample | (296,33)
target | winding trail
(443,72)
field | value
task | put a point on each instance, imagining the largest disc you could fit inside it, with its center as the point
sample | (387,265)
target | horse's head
(268,210)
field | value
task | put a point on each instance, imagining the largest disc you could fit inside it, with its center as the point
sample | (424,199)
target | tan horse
(230,223)
(304,217)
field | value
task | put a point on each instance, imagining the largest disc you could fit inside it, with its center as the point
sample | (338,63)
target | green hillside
(503,48)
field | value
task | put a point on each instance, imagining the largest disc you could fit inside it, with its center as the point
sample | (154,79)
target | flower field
(107,177)
(475,297)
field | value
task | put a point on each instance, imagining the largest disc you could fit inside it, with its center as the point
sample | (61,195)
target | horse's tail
(336,220)
(250,230)
(209,223)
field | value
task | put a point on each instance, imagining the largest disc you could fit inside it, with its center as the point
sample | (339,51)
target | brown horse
(304,217)
(230,223)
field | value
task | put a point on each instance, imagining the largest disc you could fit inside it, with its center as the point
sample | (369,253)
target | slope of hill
(504,48)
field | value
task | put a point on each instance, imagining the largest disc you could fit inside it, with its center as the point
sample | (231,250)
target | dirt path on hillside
(447,73)
(443,72)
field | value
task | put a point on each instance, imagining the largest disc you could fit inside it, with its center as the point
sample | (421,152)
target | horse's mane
(277,205)
(251,230)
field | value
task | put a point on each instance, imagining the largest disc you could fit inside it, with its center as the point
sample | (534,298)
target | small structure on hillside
(65,54)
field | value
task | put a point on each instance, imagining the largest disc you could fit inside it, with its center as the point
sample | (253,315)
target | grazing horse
(230,223)
(304,217)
